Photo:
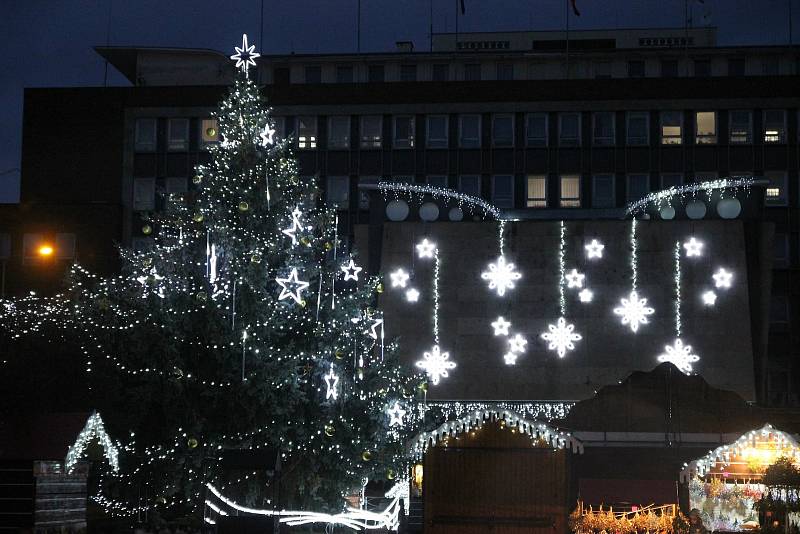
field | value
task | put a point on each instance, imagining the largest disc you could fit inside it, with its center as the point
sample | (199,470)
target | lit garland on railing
(419,190)
(659,198)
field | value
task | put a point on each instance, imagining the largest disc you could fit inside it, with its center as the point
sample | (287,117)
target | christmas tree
(246,325)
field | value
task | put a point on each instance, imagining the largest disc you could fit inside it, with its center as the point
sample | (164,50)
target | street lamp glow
(45,250)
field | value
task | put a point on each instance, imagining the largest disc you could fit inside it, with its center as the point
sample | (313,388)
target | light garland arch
(94,429)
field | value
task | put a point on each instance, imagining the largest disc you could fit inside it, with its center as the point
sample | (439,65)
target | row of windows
(671,130)
(537,190)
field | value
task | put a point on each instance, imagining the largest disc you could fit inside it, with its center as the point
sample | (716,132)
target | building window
(537,191)
(503,191)
(439,180)
(178,135)
(702,68)
(470,184)
(144,194)
(209,132)
(65,246)
(774,126)
(671,128)
(636,68)
(306,132)
(536,129)
(603,191)
(279,123)
(705,123)
(505,71)
(404,131)
(408,73)
(569,191)
(145,136)
(338,132)
(741,127)
(469,131)
(602,70)
(776,189)
(638,186)
(437,131)
(337,192)
(569,129)
(781,248)
(770,66)
(472,72)
(671,179)
(637,128)
(313,74)
(176,185)
(441,72)
(736,66)
(375,74)
(364,194)
(603,128)
(344,74)
(30,246)
(503,130)
(371,131)
(669,68)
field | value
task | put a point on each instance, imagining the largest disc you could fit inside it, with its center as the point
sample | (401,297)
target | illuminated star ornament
(292,230)
(436,364)
(722,278)
(693,248)
(399,278)
(709,298)
(331,381)
(396,414)
(634,311)
(267,136)
(510,358)
(373,329)
(245,56)
(501,326)
(517,344)
(501,275)
(351,271)
(586,295)
(425,249)
(574,278)
(594,249)
(412,295)
(561,337)
(680,356)
(291,287)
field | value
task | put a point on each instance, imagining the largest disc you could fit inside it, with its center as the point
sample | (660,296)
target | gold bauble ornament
(161,500)
(177,372)
(304,240)
(339,354)
(197,179)
(243,206)
(329,430)
(424,386)
(197,217)
(303,303)
(192,443)
(147,262)
(366,456)
(201,295)
(328,245)
(255,258)
(147,229)
(379,288)
(390,474)
(211,132)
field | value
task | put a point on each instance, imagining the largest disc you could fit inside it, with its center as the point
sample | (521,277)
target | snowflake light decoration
(510,358)
(501,275)
(425,249)
(412,295)
(693,248)
(501,326)
(561,337)
(291,287)
(399,278)
(574,278)
(396,414)
(722,278)
(351,271)
(517,344)
(633,311)
(436,364)
(594,249)
(245,56)
(680,356)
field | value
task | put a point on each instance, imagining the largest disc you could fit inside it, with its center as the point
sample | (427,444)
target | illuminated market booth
(726,484)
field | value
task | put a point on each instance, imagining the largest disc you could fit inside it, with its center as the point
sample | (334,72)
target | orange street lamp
(45,251)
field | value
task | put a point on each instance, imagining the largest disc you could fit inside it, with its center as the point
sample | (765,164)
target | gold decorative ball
(197,179)
(201,296)
(103,303)
(423,386)
(339,354)
(379,288)
(147,229)
(197,217)
(329,430)
(161,500)
(328,245)
(243,206)
(366,456)
(255,258)
(303,303)
(192,443)
(304,240)
(147,262)
(211,132)
(390,474)
(177,372)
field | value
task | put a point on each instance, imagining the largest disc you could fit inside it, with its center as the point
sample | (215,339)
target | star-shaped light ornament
(594,249)
(510,358)
(561,337)
(267,136)
(634,311)
(373,329)
(396,414)
(245,56)
(351,271)
(709,298)
(331,382)
(425,249)
(399,278)
(693,247)
(722,279)
(501,326)
(574,279)
(501,276)
(412,295)
(291,287)
(680,356)
(586,295)
(436,364)
(517,344)
(296,225)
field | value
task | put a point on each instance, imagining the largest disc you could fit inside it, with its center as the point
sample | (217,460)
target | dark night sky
(49,43)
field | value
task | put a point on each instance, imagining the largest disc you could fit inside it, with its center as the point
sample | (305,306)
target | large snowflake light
(501,276)
(679,355)
(561,337)
(436,364)
(634,311)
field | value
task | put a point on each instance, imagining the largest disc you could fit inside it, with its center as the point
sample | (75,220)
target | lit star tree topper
(501,275)
(680,356)
(245,56)
(561,337)
(436,364)
(634,311)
